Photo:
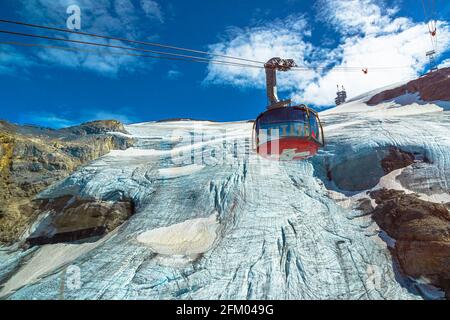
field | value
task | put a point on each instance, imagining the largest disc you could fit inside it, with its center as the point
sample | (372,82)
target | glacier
(231,225)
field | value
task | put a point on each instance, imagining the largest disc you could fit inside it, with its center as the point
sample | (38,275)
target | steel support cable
(121,47)
(155,44)
(162,54)
(127,40)
(433,8)
(424,9)
(359,69)
(105,53)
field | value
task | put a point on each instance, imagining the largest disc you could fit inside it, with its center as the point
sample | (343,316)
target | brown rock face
(72,218)
(396,159)
(32,158)
(431,87)
(422,233)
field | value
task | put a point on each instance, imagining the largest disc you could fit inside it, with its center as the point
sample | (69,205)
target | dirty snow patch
(187,238)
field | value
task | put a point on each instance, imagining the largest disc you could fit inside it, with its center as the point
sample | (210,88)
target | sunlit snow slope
(243,228)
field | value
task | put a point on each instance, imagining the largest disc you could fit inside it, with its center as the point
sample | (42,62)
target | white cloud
(359,16)
(173,74)
(11,60)
(121,18)
(152,9)
(371,36)
(283,38)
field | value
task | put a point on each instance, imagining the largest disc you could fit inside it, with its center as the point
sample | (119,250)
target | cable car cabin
(288,133)
(285,132)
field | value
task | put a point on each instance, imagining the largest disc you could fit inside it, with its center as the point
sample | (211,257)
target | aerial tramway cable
(160,54)
(258,64)
(127,40)
(162,57)
(193,58)
(106,53)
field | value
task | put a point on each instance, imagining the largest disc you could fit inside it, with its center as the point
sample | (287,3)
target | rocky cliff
(33,158)
(421,230)
(433,86)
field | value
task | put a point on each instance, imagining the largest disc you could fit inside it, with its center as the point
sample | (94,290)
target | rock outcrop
(72,218)
(32,158)
(431,87)
(421,231)
(396,159)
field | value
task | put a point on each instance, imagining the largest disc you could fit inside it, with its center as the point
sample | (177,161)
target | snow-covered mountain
(215,221)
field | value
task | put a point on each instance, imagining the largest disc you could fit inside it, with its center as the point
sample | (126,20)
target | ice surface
(237,227)
(46,259)
(176,172)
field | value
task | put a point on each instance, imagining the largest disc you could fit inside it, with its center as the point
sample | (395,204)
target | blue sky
(58,88)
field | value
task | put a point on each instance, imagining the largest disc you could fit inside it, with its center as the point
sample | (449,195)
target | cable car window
(314,127)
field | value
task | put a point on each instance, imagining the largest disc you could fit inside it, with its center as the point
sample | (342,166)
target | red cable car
(432,28)
(286,132)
